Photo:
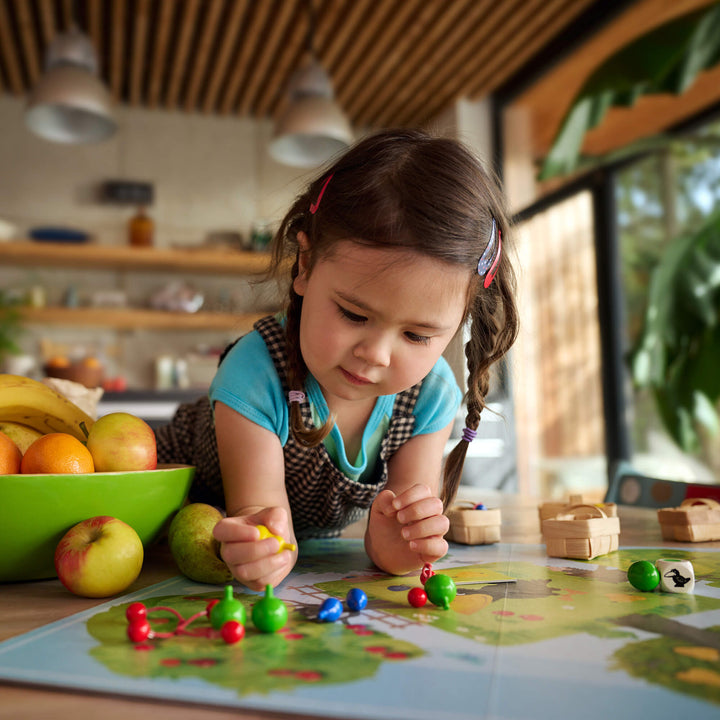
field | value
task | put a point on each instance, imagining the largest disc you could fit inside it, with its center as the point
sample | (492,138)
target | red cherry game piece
(138,630)
(417,597)
(136,611)
(232,631)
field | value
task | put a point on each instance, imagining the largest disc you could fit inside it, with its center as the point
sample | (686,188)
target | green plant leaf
(677,352)
(665,60)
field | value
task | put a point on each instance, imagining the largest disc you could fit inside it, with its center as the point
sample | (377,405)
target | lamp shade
(313,128)
(70,104)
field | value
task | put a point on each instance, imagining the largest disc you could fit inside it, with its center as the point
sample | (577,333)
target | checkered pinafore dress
(322,499)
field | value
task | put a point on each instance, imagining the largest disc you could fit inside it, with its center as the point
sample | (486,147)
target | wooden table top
(29,605)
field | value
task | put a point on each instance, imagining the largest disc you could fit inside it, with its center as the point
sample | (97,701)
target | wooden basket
(696,520)
(551,509)
(473,527)
(581,532)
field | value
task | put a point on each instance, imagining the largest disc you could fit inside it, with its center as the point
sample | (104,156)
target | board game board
(568,632)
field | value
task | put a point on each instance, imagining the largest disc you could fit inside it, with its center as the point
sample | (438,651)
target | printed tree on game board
(681,659)
(304,651)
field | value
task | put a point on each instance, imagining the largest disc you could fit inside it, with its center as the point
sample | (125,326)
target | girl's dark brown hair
(408,189)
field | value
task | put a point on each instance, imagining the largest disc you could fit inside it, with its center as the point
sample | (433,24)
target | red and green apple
(99,557)
(120,441)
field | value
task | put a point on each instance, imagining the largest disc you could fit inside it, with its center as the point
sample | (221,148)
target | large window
(661,198)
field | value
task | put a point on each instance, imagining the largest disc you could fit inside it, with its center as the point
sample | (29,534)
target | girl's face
(375,321)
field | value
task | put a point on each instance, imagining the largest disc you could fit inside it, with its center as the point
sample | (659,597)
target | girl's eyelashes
(415,338)
(360,319)
(351,316)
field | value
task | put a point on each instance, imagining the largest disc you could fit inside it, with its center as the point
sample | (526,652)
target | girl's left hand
(406,530)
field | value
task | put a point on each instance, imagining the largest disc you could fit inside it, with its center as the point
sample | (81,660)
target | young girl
(344,402)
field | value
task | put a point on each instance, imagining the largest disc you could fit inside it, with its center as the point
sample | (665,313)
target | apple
(120,441)
(195,551)
(99,557)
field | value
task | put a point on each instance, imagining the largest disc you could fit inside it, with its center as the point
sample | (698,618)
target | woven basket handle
(709,502)
(573,510)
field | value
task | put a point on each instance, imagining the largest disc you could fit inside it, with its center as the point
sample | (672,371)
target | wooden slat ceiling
(392,62)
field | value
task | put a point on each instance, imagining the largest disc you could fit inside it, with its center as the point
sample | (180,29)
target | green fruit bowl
(37,510)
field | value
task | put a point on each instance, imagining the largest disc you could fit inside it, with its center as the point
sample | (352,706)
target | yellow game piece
(265,533)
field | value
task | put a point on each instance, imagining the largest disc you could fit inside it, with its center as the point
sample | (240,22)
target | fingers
(253,561)
(420,512)
(268,570)
(383,503)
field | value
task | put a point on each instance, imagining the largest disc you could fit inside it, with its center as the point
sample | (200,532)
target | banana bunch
(36,406)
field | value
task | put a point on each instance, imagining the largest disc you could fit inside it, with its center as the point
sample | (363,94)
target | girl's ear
(300,282)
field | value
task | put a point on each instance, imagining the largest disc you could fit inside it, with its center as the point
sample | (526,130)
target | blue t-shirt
(247,382)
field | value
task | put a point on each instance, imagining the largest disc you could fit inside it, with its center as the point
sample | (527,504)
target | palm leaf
(677,352)
(665,60)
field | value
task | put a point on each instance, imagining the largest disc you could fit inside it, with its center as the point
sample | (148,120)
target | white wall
(210,173)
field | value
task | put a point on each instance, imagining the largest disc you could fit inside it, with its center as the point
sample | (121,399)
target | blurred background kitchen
(150,147)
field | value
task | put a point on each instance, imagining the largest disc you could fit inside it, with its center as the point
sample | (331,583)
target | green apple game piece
(643,575)
(229,608)
(269,613)
(440,590)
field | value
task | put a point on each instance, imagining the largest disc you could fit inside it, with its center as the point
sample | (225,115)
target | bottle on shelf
(141,229)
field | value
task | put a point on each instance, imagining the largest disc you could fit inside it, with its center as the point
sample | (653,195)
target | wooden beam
(9,52)
(26,26)
(353,15)
(262,74)
(287,59)
(490,28)
(117,47)
(488,68)
(48,27)
(161,42)
(212,13)
(442,33)
(386,51)
(372,30)
(182,51)
(141,21)
(94,26)
(230,39)
(259,12)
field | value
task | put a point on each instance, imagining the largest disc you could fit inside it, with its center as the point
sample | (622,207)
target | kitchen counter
(156,407)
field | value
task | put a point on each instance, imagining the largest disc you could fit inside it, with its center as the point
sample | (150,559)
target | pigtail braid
(296,373)
(493,330)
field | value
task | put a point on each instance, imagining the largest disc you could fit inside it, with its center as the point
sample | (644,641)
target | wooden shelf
(140,319)
(90,255)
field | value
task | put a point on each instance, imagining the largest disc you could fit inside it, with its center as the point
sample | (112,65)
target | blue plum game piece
(330,610)
(356,600)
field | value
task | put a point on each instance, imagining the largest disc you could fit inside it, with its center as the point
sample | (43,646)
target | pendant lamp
(70,104)
(313,128)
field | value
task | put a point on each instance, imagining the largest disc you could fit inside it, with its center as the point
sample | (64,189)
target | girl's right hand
(252,561)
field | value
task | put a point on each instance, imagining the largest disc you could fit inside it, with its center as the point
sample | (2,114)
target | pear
(22,435)
(195,551)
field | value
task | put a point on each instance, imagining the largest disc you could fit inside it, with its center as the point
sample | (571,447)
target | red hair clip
(314,206)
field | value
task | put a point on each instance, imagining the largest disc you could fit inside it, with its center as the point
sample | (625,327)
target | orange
(58,361)
(10,456)
(57,453)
